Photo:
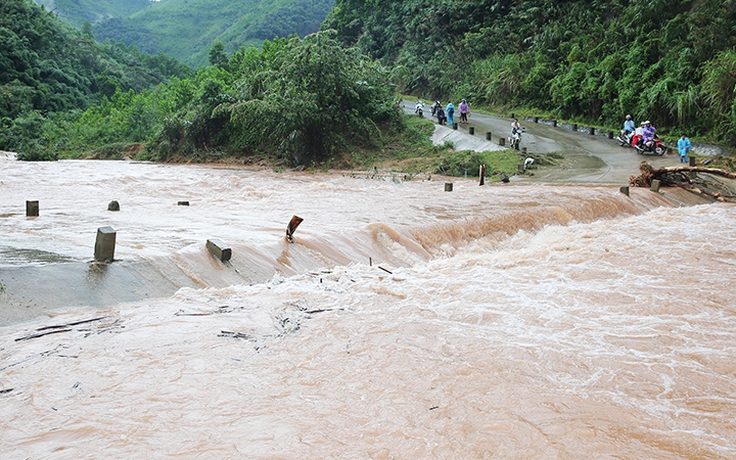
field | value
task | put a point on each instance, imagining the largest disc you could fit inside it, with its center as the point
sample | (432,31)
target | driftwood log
(697,179)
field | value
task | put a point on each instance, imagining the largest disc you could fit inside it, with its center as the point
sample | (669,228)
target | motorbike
(419,109)
(515,139)
(655,147)
(624,139)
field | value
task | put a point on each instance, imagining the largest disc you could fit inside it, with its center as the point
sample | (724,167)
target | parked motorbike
(419,109)
(655,147)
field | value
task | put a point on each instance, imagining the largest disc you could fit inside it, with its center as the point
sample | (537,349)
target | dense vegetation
(185,29)
(77,12)
(669,61)
(300,101)
(48,69)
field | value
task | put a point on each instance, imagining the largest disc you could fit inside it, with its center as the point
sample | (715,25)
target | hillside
(672,62)
(186,29)
(76,12)
(48,68)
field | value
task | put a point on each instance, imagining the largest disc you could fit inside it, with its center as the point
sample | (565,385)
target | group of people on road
(644,136)
(447,114)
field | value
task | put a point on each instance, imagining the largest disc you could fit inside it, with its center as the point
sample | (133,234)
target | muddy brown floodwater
(548,318)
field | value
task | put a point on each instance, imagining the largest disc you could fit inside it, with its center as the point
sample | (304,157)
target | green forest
(186,29)
(672,62)
(330,98)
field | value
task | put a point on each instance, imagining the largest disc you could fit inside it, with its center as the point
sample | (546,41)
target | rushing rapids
(504,321)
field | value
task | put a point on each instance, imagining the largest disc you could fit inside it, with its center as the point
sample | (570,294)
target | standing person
(464,111)
(450,109)
(683,147)
(440,114)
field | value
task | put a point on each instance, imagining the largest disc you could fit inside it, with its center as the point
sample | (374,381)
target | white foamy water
(505,321)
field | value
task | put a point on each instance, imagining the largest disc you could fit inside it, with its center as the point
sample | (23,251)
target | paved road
(587,158)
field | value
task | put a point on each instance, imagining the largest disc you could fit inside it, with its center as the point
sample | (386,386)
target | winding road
(587,158)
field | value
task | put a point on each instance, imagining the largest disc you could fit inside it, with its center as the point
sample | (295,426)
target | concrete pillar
(504,178)
(691,160)
(655,185)
(488,136)
(471,129)
(105,245)
(220,250)
(501,141)
(482,175)
(113,206)
(448,186)
(520,169)
(182,203)
(523,150)
(513,116)
(554,123)
(31,208)
(625,190)
(591,131)
(536,119)
(610,134)
(454,126)
(574,126)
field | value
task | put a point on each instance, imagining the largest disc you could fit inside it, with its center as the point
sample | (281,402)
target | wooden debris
(696,179)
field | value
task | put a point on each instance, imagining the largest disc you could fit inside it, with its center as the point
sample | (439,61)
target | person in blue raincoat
(683,147)
(450,112)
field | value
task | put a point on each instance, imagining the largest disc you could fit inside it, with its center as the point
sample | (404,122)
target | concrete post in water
(471,129)
(182,203)
(105,245)
(220,250)
(291,228)
(113,206)
(691,160)
(625,190)
(655,186)
(501,141)
(448,186)
(488,136)
(31,208)
(482,175)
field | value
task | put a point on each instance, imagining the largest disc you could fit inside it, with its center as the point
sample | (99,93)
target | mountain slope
(186,29)
(76,12)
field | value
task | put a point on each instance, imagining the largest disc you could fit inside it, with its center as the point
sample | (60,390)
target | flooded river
(521,320)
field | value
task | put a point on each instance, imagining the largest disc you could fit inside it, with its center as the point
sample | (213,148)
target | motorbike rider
(515,127)
(629,126)
(648,135)
(419,107)
(436,106)
(638,133)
